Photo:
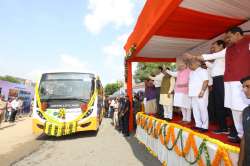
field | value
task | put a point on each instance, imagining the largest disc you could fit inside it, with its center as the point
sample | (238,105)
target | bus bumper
(92,124)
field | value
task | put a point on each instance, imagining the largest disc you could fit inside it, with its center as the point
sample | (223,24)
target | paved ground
(16,140)
(106,148)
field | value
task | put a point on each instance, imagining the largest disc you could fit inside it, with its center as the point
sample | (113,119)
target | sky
(62,35)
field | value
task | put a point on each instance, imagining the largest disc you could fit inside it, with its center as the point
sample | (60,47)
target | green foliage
(112,87)
(143,70)
(9,79)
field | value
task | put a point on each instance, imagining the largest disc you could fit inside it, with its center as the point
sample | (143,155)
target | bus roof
(68,73)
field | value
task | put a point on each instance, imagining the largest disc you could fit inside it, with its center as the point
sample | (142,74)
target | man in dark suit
(125,117)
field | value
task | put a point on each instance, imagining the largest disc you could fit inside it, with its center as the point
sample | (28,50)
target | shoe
(186,122)
(203,130)
(126,135)
(168,120)
(235,140)
(181,122)
(195,128)
(221,131)
(232,136)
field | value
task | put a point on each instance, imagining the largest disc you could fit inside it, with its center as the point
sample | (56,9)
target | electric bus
(66,103)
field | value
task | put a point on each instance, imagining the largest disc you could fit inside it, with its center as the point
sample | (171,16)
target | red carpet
(222,137)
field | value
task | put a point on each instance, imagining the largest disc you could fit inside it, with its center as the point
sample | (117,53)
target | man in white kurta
(198,91)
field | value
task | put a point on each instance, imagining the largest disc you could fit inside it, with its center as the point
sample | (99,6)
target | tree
(113,87)
(9,79)
(144,69)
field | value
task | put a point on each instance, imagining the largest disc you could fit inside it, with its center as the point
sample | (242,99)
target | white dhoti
(168,111)
(200,111)
(182,100)
(167,102)
(186,114)
(237,117)
(236,100)
(151,107)
(166,99)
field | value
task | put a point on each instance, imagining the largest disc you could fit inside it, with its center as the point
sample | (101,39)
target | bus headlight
(88,113)
(40,115)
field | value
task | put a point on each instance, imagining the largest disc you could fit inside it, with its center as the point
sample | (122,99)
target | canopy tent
(166,29)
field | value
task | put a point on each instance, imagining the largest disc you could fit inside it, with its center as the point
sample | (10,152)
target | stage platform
(212,126)
(178,145)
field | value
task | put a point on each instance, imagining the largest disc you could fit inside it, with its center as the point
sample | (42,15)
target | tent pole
(130,95)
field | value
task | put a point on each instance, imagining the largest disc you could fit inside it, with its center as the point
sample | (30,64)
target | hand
(167,71)
(169,95)
(210,88)
(201,94)
(199,58)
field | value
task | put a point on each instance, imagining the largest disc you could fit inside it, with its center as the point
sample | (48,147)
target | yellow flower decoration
(61,113)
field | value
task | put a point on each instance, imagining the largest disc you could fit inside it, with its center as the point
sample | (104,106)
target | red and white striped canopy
(169,28)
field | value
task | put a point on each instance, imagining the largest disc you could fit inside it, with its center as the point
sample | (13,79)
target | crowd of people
(206,86)
(118,110)
(11,109)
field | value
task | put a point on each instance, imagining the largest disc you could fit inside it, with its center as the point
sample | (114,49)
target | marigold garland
(221,154)
(165,131)
(157,129)
(150,126)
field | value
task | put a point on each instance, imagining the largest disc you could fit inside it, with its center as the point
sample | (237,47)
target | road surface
(105,148)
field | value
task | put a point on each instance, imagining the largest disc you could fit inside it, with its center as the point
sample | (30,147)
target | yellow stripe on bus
(52,130)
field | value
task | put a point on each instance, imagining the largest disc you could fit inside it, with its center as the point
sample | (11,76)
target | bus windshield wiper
(79,99)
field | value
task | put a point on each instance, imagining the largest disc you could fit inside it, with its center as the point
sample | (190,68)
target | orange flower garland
(157,129)
(166,131)
(150,126)
(221,154)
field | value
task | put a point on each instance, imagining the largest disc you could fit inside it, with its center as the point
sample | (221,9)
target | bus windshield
(66,86)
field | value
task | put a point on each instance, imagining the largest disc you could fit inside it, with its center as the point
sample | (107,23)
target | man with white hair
(198,92)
